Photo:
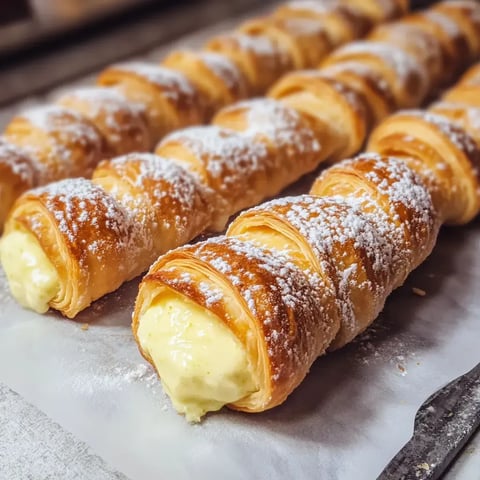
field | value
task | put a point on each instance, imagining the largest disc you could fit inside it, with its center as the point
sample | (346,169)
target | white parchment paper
(349,417)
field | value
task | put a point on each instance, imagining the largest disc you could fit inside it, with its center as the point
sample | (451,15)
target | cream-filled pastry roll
(71,242)
(249,297)
(229,299)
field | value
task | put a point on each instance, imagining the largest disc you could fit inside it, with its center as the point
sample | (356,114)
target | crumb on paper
(419,291)
(84,327)
(418,363)
(401,368)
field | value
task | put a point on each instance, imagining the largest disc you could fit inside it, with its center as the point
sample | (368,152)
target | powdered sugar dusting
(17,161)
(280,124)
(404,64)
(271,287)
(80,206)
(174,84)
(227,156)
(166,185)
(223,68)
(457,136)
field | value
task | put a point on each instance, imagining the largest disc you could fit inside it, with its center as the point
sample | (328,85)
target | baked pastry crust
(123,124)
(62,142)
(170,100)
(17,172)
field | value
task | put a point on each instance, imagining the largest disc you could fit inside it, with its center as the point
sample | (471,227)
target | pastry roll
(71,242)
(405,75)
(62,142)
(352,241)
(170,100)
(65,245)
(398,190)
(342,22)
(218,78)
(255,163)
(123,124)
(367,83)
(261,59)
(380,10)
(462,114)
(452,40)
(17,174)
(305,39)
(465,93)
(229,299)
(167,203)
(423,45)
(294,139)
(333,103)
(466,14)
(471,76)
(240,170)
(443,154)
(291,277)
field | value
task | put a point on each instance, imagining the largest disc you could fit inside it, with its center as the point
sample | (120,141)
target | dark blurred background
(47,42)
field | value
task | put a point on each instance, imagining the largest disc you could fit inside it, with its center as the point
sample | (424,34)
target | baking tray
(352,413)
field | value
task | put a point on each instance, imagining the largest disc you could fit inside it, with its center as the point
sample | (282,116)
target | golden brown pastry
(464,115)
(216,76)
(406,76)
(255,309)
(170,99)
(342,22)
(17,174)
(466,93)
(466,14)
(274,146)
(83,239)
(423,45)
(471,76)
(452,39)
(305,39)
(380,10)
(247,298)
(366,81)
(261,59)
(444,155)
(341,109)
(62,142)
(123,124)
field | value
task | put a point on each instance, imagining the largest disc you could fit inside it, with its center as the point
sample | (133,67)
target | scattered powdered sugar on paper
(115,378)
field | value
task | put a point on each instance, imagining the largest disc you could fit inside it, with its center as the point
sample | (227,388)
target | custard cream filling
(33,279)
(202,364)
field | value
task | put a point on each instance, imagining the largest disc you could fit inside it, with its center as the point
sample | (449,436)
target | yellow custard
(32,278)
(201,363)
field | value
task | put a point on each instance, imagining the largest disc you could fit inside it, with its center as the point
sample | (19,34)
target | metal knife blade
(443,425)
